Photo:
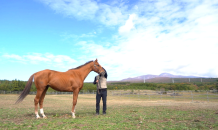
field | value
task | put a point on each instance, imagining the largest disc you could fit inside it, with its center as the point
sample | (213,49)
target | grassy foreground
(122,113)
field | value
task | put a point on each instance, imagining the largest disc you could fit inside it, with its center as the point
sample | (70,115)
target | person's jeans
(103,94)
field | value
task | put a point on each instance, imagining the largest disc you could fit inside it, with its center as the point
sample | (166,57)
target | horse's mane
(82,65)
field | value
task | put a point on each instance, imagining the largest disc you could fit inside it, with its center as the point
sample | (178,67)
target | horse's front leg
(75,96)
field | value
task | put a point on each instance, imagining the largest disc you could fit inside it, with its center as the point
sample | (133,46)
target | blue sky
(129,38)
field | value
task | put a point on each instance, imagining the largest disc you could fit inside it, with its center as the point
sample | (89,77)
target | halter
(96,68)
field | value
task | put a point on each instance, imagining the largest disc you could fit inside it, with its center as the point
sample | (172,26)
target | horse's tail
(26,90)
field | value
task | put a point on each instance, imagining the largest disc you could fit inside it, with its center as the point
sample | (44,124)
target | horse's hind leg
(41,102)
(36,101)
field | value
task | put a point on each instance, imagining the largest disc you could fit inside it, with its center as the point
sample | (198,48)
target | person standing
(101,81)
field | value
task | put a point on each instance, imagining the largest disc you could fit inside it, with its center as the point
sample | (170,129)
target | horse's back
(45,75)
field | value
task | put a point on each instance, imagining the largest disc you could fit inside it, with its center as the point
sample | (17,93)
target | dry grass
(123,113)
(58,101)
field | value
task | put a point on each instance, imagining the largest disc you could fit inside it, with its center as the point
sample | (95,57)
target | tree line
(18,85)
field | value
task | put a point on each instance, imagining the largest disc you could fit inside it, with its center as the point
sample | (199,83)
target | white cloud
(89,10)
(80,9)
(17,57)
(128,25)
(152,37)
(169,37)
(111,15)
(61,61)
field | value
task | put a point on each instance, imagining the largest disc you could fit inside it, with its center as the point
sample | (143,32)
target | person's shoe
(97,113)
(104,113)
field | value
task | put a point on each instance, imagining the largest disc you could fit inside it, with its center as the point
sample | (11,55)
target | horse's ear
(96,60)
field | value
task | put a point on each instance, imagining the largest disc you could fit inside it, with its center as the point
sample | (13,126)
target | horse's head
(97,67)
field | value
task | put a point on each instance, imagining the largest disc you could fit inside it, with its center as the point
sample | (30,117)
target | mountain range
(161,76)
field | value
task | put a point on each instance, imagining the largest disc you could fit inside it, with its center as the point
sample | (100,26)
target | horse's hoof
(44,117)
(73,117)
(37,117)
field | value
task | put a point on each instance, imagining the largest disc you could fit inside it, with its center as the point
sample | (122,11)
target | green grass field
(122,113)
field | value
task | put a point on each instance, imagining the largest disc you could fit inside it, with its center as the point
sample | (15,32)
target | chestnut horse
(69,81)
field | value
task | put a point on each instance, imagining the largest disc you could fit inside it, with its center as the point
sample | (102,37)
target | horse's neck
(84,71)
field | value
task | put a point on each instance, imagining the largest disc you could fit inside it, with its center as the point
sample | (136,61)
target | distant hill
(164,77)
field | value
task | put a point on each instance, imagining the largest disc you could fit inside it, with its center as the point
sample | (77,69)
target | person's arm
(98,82)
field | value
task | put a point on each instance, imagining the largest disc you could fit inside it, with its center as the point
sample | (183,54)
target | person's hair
(105,75)
(94,80)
